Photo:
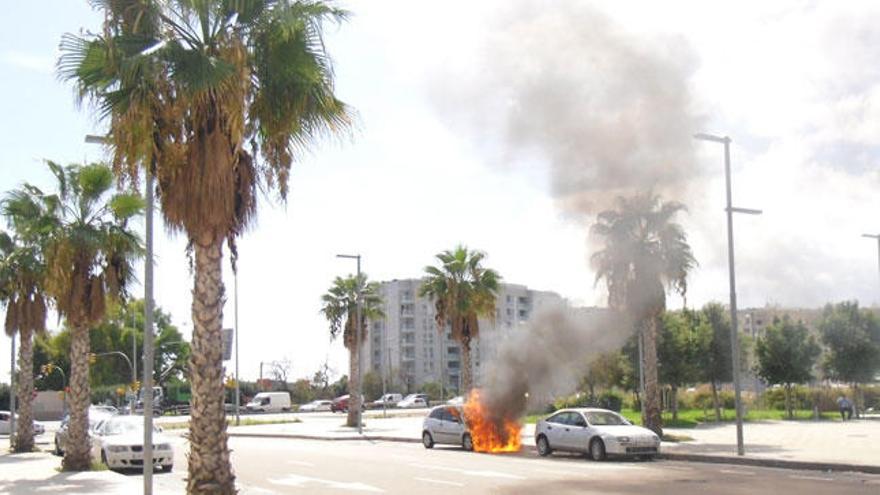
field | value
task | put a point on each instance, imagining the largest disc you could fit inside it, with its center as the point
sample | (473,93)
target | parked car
(387,400)
(96,415)
(446,425)
(413,401)
(5,417)
(597,432)
(340,404)
(456,401)
(118,442)
(316,405)
(269,402)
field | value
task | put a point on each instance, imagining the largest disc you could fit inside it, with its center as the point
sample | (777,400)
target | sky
(505,127)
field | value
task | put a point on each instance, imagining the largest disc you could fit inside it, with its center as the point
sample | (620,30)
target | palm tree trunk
(467,380)
(24,433)
(651,408)
(209,468)
(353,364)
(715,403)
(77,456)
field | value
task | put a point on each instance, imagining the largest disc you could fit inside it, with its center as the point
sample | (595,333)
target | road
(266,466)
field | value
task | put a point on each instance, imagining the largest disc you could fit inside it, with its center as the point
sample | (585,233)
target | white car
(316,405)
(446,425)
(119,443)
(96,415)
(39,428)
(456,401)
(413,401)
(598,432)
(387,400)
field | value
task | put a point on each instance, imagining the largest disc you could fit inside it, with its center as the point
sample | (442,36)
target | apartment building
(407,347)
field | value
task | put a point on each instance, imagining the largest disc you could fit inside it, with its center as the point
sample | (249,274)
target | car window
(4,417)
(577,420)
(601,418)
(437,414)
(558,418)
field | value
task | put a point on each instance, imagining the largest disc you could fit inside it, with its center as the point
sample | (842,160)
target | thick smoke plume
(547,358)
(561,83)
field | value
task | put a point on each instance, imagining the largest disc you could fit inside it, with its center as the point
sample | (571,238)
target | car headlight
(623,439)
(117,448)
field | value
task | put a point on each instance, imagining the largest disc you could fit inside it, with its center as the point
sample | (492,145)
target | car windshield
(122,426)
(599,418)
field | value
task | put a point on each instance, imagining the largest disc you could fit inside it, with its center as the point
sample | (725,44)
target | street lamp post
(148,323)
(237,387)
(12,394)
(357,342)
(734,337)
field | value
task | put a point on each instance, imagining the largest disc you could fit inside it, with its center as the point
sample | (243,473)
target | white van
(270,402)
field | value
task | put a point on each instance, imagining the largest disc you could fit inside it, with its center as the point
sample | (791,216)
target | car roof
(584,410)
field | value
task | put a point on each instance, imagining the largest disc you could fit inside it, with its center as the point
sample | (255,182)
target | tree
(462,291)
(371,384)
(340,307)
(114,333)
(852,337)
(644,249)
(185,87)
(607,370)
(22,273)
(678,351)
(715,358)
(89,251)
(786,355)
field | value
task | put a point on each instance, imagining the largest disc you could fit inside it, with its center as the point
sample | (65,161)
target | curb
(771,463)
(677,457)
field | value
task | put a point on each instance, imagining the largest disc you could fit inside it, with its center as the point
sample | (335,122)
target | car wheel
(597,450)
(543,446)
(427,440)
(467,443)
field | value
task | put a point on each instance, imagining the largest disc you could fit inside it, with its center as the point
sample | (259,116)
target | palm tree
(21,290)
(340,308)
(89,251)
(213,98)
(462,291)
(644,249)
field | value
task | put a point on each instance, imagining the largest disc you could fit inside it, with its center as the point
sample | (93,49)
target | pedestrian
(845,407)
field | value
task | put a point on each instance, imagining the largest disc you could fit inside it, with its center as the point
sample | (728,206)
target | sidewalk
(851,445)
(22,474)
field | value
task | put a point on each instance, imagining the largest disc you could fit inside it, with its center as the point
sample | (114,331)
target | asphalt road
(265,466)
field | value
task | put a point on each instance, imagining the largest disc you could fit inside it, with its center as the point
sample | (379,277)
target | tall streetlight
(877,237)
(237,387)
(734,337)
(148,324)
(12,394)
(357,343)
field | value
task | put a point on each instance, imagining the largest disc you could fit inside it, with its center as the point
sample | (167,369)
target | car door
(434,425)
(579,434)
(453,425)
(554,430)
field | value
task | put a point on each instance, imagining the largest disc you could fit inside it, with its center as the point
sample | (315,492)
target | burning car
(472,425)
(597,432)
(446,425)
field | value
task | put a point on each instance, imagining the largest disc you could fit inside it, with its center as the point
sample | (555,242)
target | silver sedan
(597,432)
(446,425)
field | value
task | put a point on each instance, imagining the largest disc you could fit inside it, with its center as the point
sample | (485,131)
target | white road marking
(299,481)
(440,482)
(564,473)
(471,472)
(738,471)
(301,463)
(811,478)
(678,468)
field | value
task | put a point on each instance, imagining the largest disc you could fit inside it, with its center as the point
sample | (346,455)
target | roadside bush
(702,399)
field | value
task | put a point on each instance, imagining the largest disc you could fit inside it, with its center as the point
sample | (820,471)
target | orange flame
(487,433)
